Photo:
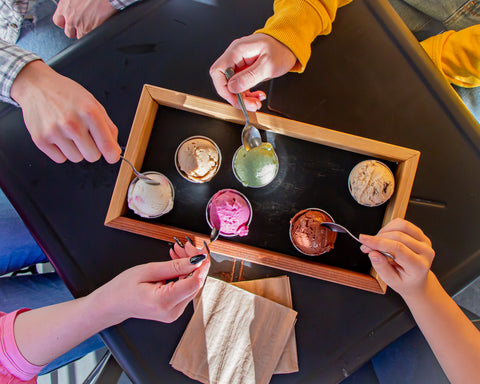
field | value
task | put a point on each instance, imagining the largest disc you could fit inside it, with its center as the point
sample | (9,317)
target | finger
(190,250)
(252,104)
(179,251)
(87,147)
(404,256)
(220,83)
(173,255)
(70,31)
(58,19)
(99,125)
(69,149)
(419,247)
(250,76)
(259,95)
(184,289)
(166,270)
(53,152)
(406,227)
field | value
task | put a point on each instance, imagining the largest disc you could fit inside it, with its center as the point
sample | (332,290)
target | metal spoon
(145,178)
(215,221)
(250,135)
(341,229)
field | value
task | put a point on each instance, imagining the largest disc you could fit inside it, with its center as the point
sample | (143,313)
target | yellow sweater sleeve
(457,55)
(296,23)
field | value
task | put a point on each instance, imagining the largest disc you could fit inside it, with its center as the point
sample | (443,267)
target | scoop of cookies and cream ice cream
(371,183)
(148,200)
(231,210)
(198,159)
(308,235)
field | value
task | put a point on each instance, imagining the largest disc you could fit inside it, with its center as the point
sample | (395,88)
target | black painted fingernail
(197,259)
(180,244)
(190,240)
(206,247)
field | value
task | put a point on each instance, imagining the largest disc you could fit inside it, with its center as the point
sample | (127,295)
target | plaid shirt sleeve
(120,4)
(12,61)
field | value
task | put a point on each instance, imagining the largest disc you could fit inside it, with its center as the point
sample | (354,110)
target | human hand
(254,58)
(78,17)
(65,121)
(413,254)
(147,292)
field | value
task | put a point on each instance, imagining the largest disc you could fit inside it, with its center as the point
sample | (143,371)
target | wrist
(28,79)
(423,291)
(103,306)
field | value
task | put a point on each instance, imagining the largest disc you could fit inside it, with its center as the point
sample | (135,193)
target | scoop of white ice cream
(371,183)
(148,200)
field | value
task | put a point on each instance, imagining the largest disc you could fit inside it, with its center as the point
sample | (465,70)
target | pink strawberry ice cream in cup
(232,210)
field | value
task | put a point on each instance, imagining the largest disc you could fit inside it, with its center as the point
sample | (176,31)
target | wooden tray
(152,97)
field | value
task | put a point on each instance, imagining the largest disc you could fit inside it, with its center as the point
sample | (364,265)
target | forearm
(296,23)
(453,338)
(457,55)
(44,334)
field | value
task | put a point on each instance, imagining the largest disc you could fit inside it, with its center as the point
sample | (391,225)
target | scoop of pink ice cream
(232,210)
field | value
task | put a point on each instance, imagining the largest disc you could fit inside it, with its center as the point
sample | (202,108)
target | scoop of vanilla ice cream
(198,159)
(148,200)
(371,183)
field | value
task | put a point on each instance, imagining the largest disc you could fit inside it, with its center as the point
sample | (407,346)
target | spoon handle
(229,72)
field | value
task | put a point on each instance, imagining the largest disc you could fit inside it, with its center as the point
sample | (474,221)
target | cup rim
(183,174)
(135,180)
(290,229)
(350,187)
(254,186)
(207,210)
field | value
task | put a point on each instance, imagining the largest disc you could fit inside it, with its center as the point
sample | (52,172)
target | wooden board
(151,97)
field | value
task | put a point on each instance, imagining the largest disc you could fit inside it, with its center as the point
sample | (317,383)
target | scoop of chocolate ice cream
(308,235)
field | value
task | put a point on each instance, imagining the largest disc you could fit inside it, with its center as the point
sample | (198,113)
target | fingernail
(190,240)
(180,244)
(364,248)
(197,259)
(263,97)
(259,105)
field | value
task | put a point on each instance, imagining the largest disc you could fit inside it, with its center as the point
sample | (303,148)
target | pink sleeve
(14,368)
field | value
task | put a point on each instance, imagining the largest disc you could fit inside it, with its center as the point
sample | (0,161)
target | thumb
(249,77)
(167,270)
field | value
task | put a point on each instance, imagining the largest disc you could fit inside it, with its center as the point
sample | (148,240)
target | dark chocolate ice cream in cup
(307,234)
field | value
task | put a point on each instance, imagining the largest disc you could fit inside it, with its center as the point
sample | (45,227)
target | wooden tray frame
(150,99)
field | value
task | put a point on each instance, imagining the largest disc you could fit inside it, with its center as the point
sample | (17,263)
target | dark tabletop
(370,78)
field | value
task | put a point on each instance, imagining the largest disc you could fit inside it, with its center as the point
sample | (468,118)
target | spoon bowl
(250,134)
(341,229)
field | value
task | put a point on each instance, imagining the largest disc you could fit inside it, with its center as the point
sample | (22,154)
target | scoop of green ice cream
(256,167)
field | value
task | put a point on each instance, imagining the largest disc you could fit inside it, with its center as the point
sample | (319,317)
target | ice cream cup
(352,172)
(253,186)
(207,211)
(183,174)
(134,181)
(290,228)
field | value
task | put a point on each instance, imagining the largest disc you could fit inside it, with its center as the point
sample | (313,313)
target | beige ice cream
(148,200)
(198,159)
(371,183)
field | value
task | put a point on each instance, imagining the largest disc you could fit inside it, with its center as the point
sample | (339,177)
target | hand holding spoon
(341,229)
(250,135)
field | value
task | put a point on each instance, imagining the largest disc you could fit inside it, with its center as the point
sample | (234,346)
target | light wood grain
(152,96)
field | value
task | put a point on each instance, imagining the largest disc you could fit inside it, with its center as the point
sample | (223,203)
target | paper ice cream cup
(207,211)
(360,199)
(172,198)
(192,179)
(290,229)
